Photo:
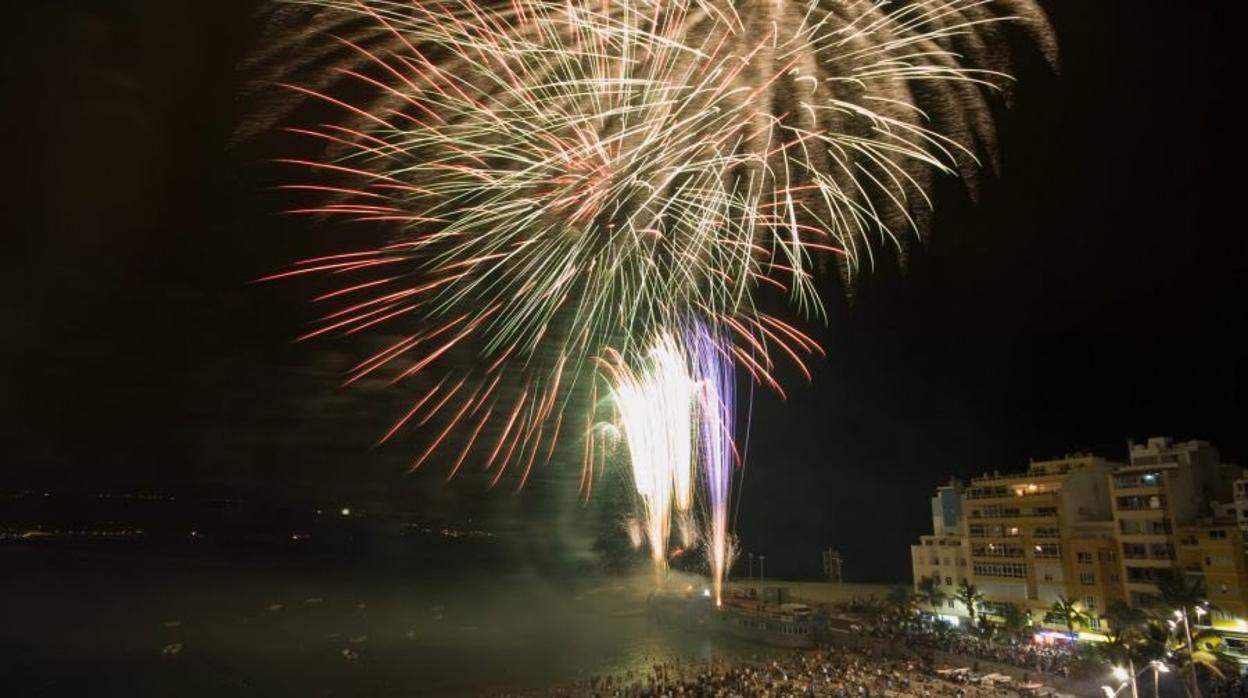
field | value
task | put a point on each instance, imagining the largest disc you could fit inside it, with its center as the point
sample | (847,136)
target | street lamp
(1181,614)
(1121,675)
(762,570)
(1127,676)
(1159,667)
(751,566)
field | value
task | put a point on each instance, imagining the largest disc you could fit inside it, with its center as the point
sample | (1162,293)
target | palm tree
(928,592)
(1134,638)
(1014,618)
(985,629)
(970,596)
(1179,594)
(1177,591)
(1198,658)
(901,601)
(870,608)
(1069,612)
(1126,623)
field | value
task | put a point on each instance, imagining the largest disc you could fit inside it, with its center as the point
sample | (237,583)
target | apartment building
(1022,528)
(1167,485)
(943,553)
(1095,531)
(1215,553)
(1093,570)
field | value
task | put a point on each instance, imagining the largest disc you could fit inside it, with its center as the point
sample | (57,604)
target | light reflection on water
(325,633)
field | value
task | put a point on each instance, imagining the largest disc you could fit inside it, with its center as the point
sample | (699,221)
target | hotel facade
(1092,531)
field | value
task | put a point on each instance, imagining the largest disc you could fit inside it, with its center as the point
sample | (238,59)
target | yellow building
(1093,531)
(1165,487)
(1215,553)
(1025,531)
(1093,572)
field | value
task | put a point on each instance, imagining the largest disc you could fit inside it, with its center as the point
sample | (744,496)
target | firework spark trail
(568,176)
(654,406)
(716,454)
(674,414)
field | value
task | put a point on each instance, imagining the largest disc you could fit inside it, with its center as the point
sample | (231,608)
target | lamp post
(1159,667)
(1121,675)
(762,572)
(751,575)
(1191,654)
(1126,675)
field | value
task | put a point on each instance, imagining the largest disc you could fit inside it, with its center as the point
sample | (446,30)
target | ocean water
(100,623)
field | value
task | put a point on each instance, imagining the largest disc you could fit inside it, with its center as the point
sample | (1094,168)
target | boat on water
(780,624)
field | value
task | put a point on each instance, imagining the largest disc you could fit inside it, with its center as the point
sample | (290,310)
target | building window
(999,569)
(948,581)
(1084,558)
(1217,534)
(1140,575)
(1087,578)
(996,550)
(1135,527)
(950,603)
(1090,603)
(1049,551)
(1161,551)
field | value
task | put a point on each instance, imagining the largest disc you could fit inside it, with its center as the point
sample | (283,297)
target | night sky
(1093,292)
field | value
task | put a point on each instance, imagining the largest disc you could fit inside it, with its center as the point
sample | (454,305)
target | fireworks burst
(654,407)
(716,452)
(674,414)
(564,177)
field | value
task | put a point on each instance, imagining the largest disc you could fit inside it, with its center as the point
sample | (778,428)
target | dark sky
(1094,292)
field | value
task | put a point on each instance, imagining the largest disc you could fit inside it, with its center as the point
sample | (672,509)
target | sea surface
(100,622)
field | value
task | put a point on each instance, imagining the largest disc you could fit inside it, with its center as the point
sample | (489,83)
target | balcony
(1011,491)
(1140,481)
(1145,527)
(1047,551)
(1142,503)
(993,512)
(993,531)
(1154,551)
(997,551)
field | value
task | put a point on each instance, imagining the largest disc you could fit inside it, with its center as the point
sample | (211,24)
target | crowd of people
(1047,658)
(830,672)
(883,661)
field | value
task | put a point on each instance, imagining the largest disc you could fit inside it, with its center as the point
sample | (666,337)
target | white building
(944,554)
